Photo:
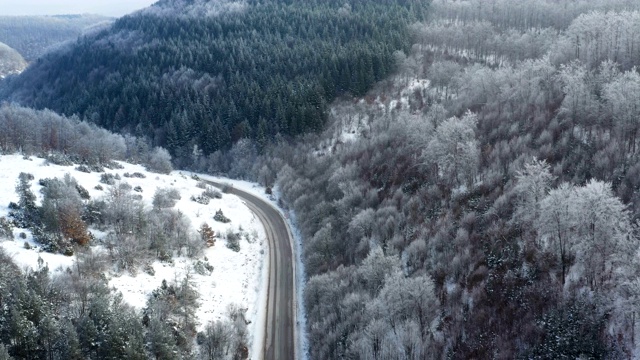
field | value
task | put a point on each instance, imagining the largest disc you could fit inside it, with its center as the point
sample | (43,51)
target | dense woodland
(251,71)
(491,213)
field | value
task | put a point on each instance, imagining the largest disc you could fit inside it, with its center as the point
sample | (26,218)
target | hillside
(194,73)
(10,61)
(483,201)
(32,36)
(182,286)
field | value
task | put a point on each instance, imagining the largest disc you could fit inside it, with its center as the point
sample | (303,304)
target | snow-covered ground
(238,277)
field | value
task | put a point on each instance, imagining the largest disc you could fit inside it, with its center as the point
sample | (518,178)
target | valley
(451,179)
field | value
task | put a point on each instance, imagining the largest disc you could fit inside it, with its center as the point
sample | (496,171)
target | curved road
(280,341)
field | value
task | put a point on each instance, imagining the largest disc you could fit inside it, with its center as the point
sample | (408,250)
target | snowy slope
(238,277)
(11,62)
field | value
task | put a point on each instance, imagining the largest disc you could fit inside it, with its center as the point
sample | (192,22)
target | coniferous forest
(252,71)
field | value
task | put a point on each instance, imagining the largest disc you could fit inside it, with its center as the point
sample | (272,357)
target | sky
(60,7)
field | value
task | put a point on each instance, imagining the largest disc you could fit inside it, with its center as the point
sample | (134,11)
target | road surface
(279,342)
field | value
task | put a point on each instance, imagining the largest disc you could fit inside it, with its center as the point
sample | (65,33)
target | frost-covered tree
(580,104)
(533,184)
(159,161)
(604,230)
(215,341)
(621,96)
(28,213)
(591,223)
(62,209)
(454,149)
(557,224)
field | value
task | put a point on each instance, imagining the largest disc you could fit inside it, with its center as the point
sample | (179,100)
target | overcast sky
(58,7)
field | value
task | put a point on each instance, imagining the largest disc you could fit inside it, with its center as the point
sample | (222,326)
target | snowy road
(280,340)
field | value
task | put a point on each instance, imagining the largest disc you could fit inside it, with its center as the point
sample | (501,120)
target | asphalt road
(279,342)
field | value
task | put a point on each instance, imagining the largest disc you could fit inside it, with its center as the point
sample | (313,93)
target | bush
(159,161)
(135,175)
(6,228)
(137,189)
(212,193)
(202,267)
(96,168)
(148,269)
(227,188)
(59,159)
(108,179)
(165,198)
(201,199)
(84,193)
(83,168)
(233,241)
(219,216)
(94,212)
(99,187)
(112,165)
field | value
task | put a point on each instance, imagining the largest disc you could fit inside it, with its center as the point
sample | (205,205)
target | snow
(237,278)
(29,258)
(302,346)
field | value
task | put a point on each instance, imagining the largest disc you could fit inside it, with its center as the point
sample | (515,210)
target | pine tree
(207,235)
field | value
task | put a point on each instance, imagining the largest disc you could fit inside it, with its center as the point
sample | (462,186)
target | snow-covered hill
(237,277)
(11,62)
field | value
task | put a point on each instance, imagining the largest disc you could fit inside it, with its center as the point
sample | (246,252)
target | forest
(254,71)
(483,201)
(479,198)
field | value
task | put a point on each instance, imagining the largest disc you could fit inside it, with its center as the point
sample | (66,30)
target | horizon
(113,8)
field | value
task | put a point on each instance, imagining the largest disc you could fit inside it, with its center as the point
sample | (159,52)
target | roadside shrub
(212,193)
(227,188)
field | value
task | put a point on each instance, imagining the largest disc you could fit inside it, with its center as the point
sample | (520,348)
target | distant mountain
(11,62)
(32,36)
(209,73)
